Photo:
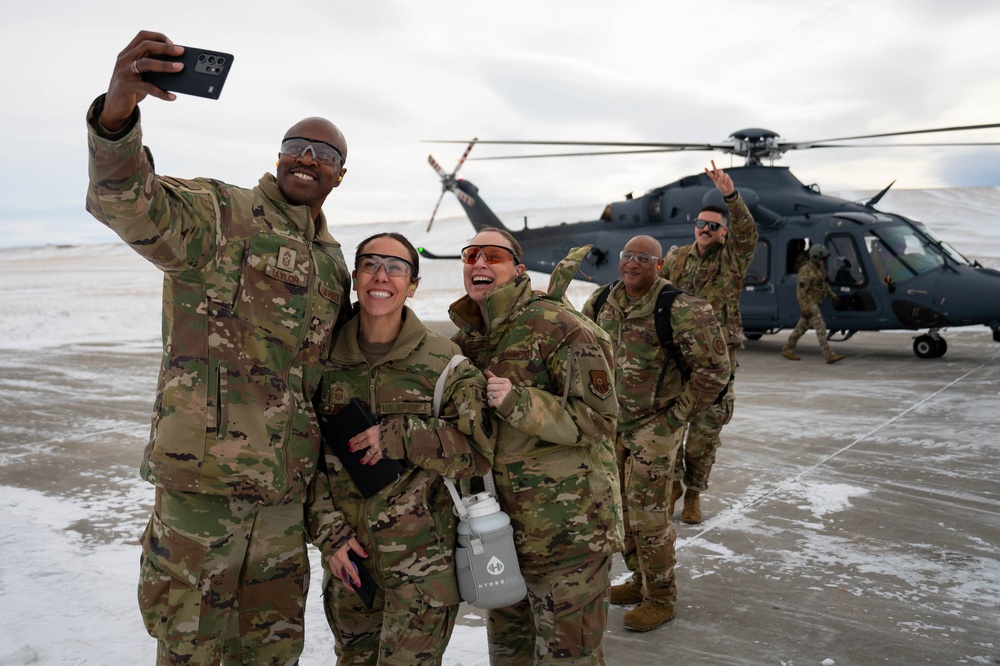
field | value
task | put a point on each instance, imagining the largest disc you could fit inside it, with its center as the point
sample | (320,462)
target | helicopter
(890,272)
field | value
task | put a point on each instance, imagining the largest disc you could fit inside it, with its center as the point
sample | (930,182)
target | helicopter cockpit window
(757,271)
(844,267)
(947,249)
(899,253)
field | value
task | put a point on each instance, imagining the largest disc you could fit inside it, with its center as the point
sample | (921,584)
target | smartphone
(203,75)
(369,588)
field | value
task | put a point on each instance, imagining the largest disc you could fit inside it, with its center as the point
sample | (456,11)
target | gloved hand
(807,313)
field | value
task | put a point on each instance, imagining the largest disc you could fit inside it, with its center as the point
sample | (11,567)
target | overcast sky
(391,74)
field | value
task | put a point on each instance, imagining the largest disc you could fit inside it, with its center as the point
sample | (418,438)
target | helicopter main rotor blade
(610,152)
(790,145)
(893,145)
(609,144)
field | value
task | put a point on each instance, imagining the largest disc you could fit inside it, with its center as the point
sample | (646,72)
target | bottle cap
(481,504)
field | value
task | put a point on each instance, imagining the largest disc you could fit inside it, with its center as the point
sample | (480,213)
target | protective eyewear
(394,266)
(493,254)
(641,258)
(324,153)
(712,226)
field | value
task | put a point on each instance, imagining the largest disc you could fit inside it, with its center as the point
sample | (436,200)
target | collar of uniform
(346,349)
(313,230)
(642,307)
(501,303)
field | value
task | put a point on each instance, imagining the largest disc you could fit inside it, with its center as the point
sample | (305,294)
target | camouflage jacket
(252,288)
(408,527)
(554,467)
(718,275)
(812,286)
(642,364)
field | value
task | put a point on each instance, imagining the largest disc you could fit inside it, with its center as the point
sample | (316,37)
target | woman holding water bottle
(550,384)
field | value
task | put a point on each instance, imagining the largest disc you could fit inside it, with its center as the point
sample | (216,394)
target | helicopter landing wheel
(925,346)
(753,335)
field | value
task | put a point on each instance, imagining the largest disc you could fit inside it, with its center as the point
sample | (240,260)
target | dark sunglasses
(492,254)
(712,226)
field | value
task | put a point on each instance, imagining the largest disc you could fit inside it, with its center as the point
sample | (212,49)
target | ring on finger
(135,66)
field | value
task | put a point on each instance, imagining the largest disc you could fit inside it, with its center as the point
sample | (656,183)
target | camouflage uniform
(554,470)
(251,291)
(655,402)
(810,290)
(408,528)
(716,276)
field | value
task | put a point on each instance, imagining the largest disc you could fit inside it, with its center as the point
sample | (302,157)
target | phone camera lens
(211,60)
(221,60)
(201,58)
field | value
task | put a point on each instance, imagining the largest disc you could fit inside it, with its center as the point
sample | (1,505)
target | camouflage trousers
(408,624)
(814,320)
(224,580)
(646,460)
(561,621)
(697,453)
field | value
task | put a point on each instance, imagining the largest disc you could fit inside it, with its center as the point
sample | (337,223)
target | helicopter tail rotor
(449,182)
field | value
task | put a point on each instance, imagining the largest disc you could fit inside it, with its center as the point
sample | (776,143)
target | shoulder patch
(720,346)
(600,384)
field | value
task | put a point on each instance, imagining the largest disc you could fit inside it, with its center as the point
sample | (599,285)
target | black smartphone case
(203,75)
(369,588)
(339,428)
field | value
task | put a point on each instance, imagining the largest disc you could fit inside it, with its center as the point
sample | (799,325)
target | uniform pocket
(169,575)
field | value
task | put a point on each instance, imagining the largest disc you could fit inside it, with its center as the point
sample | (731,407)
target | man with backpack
(671,363)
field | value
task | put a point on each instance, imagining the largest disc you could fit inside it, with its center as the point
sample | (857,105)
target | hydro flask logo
(494,566)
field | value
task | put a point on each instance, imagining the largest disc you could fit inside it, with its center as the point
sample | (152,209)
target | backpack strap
(665,333)
(602,297)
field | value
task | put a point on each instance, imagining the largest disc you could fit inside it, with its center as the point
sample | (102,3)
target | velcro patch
(720,346)
(405,408)
(599,384)
(285,276)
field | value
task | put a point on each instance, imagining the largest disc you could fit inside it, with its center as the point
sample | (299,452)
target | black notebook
(339,428)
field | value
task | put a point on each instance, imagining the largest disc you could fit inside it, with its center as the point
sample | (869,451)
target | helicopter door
(850,278)
(759,303)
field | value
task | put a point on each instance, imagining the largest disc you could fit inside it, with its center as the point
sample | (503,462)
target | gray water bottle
(489,575)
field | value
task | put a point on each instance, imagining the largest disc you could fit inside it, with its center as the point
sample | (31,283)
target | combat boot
(675,494)
(648,616)
(833,358)
(691,513)
(626,594)
(790,355)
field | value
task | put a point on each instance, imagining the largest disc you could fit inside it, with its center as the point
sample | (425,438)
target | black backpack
(661,318)
(664,330)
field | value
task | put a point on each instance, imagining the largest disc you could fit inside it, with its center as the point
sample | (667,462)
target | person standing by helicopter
(810,291)
(714,268)
(661,383)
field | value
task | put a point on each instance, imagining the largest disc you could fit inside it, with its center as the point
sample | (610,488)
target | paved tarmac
(854,512)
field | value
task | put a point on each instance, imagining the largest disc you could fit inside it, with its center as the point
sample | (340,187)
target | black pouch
(355,417)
